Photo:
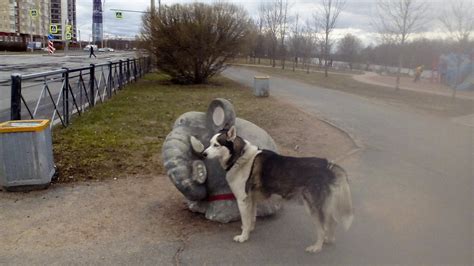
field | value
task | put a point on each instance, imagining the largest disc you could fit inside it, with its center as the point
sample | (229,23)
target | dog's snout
(204,154)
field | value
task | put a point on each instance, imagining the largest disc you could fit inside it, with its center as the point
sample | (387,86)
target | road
(411,183)
(34,63)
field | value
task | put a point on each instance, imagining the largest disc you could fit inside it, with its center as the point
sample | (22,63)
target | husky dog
(253,173)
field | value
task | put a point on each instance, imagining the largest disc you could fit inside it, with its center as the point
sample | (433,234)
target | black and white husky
(253,173)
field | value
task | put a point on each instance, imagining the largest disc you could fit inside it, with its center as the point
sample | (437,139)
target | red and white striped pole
(51,48)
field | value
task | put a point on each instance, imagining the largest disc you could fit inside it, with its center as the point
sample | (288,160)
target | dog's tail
(341,199)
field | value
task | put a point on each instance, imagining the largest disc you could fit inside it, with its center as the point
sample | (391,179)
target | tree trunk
(259,60)
(326,55)
(326,67)
(283,58)
(399,70)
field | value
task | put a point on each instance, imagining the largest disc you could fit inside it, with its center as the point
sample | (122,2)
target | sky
(357,17)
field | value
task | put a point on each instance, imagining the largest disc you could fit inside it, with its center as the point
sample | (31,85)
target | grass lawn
(437,104)
(124,136)
(289,66)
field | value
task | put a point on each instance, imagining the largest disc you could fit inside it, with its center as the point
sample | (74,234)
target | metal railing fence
(67,91)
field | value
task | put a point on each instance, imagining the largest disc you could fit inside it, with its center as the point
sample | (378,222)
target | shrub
(191,42)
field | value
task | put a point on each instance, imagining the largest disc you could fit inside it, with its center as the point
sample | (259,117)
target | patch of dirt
(138,209)
(301,134)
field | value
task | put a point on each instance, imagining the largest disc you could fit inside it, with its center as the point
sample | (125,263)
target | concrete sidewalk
(424,86)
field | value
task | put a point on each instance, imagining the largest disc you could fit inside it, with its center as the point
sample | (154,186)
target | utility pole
(79,39)
(31,33)
(64,22)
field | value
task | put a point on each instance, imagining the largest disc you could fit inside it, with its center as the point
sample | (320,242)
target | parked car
(88,47)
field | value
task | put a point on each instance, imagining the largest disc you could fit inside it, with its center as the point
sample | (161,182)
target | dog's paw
(329,240)
(314,248)
(241,238)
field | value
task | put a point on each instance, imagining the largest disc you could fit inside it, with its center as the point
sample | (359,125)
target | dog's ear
(231,133)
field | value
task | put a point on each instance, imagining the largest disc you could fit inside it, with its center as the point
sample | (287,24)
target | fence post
(135,69)
(140,67)
(120,74)
(111,78)
(92,84)
(128,70)
(66,96)
(15,107)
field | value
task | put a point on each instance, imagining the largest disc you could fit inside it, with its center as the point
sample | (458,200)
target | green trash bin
(26,155)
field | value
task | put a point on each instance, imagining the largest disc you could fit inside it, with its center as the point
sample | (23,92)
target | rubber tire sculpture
(203,182)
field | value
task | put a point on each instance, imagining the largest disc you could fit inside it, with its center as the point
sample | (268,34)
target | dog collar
(228,196)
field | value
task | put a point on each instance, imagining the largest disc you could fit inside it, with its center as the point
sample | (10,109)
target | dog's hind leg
(330,231)
(245,209)
(317,223)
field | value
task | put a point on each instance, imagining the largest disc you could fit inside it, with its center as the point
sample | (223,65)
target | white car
(88,47)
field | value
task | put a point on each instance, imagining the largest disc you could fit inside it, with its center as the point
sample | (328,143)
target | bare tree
(275,15)
(397,20)
(348,48)
(295,41)
(283,6)
(261,34)
(458,21)
(326,19)
(308,44)
(271,18)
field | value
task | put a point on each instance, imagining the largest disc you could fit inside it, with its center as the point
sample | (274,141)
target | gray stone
(199,179)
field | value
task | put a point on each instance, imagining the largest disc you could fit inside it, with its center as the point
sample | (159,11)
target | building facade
(18,26)
(17,23)
(60,7)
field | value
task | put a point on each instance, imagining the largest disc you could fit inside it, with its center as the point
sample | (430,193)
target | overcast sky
(356,17)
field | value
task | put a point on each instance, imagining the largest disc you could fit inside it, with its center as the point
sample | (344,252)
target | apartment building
(18,26)
(57,9)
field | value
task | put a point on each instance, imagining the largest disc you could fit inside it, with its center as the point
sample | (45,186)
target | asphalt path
(411,183)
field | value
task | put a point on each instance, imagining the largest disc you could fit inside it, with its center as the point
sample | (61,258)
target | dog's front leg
(245,209)
(253,211)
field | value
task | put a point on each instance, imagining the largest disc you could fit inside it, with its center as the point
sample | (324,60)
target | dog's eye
(216,145)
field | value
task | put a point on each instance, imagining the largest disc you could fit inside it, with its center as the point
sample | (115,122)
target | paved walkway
(411,184)
(424,86)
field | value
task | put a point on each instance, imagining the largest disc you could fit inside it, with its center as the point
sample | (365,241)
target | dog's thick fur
(253,173)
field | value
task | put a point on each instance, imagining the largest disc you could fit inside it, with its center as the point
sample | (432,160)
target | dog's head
(226,147)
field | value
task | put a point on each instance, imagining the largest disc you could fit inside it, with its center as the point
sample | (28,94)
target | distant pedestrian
(92,52)
(418,72)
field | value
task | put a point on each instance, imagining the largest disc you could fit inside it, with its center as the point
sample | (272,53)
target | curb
(359,146)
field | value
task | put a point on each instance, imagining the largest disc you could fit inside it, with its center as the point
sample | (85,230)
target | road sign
(53,28)
(68,28)
(118,15)
(68,36)
(50,37)
(33,13)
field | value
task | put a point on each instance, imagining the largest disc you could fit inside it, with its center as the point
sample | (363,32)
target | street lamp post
(79,39)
